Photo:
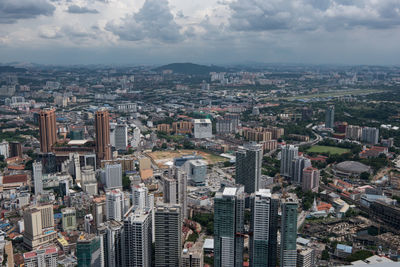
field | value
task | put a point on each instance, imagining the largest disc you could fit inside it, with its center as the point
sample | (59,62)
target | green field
(336,93)
(328,149)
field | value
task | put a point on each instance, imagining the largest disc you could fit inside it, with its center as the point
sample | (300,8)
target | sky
(64,32)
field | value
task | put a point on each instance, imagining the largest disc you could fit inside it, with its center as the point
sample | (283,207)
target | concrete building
(113,177)
(47,129)
(68,219)
(15,149)
(168,241)
(248,167)
(288,154)
(112,243)
(288,252)
(37,170)
(102,127)
(229,227)
(46,257)
(224,126)
(5,149)
(137,239)
(330,117)
(263,228)
(310,179)
(88,180)
(175,189)
(202,128)
(39,226)
(298,165)
(306,257)
(370,135)
(121,137)
(353,132)
(88,250)
(192,257)
(115,205)
(196,171)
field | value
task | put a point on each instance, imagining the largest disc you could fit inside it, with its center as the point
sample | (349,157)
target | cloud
(13,10)
(50,33)
(153,21)
(75,9)
(309,15)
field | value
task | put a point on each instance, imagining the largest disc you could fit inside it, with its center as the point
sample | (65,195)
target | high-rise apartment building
(47,129)
(306,257)
(370,135)
(353,132)
(288,154)
(46,257)
(168,241)
(248,167)
(112,243)
(102,127)
(263,229)
(37,170)
(229,227)
(288,252)
(310,179)
(39,226)
(330,117)
(298,165)
(88,180)
(68,219)
(115,205)
(175,189)
(137,239)
(113,177)
(88,250)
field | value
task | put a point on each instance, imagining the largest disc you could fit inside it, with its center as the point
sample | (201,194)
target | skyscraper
(263,229)
(113,243)
(37,177)
(298,164)
(102,127)
(288,254)
(113,176)
(168,241)
(288,154)
(330,117)
(370,135)
(137,239)
(229,227)
(310,179)
(175,189)
(88,250)
(115,205)
(47,129)
(248,167)
(121,137)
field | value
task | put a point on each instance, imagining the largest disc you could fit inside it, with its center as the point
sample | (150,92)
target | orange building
(102,127)
(47,129)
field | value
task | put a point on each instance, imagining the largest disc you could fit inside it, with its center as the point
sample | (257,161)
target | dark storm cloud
(308,15)
(153,21)
(75,9)
(13,10)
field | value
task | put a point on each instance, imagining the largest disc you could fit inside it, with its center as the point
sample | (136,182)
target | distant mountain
(190,68)
(11,69)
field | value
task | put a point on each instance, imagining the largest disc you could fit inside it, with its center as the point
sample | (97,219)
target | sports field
(328,149)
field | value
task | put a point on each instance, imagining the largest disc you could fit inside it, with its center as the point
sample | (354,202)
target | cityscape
(175,133)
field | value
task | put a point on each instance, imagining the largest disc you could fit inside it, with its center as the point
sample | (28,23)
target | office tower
(88,180)
(370,135)
(330,117)
(37,177)
(115,205)
(64,187)
(121,137)
(90,160)
(175,189)
(113,125)
(229,227)
(113,176)
(288,252)
(288,154)
(47,129)
(248,167)
(310,179)
(48,161)
(88,250)
(137,239)
(113,243)
(140,197)
(202,128)
(4,149)
(353,132)
(102,127)
(306,257)
(42,257)
(15,149)
(168,241)
(39,226)
(196,171)
(298,164)
(263,229)
(68,219)
(135,142)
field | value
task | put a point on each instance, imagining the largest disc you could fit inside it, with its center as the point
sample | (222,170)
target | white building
(121,137)
(4,149)
(113,173)
(115,205)
(202,128)
(38,177)
(46,257)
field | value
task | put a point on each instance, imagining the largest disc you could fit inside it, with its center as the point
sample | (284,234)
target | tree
(126,182)
(364,176)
